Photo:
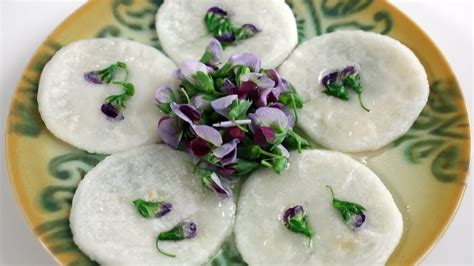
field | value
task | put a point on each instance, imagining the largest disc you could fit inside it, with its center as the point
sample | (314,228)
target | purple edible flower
(246,59)
(201,103)
(262,136)
(358,221)
(227,153)
(199,147)
(92,77)
(170,131)
(248,88)
(186,112)
(214,183)
(289,114)
(112,112)
(165,208)
(330,78)
(189,229)
(295,212)
(217,11)
(234,132)
(213,54)
(270,117)
(164,94)
(261,80)
(189,69)
(226,37)
(228,87)
(208,134)
(250,29)
(223,105)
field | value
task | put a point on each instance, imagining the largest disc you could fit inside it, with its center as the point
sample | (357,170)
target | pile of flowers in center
(232,117)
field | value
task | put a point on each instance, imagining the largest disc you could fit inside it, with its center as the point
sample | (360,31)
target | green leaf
(346,208)
(204,83)
(243,167)
(293,141)
(239,109)
(337,90)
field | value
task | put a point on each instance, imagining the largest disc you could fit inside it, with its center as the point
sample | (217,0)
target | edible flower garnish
(220,26)
(114,104)
(352,213)
(231,117)
(295,220)
(150,209)
(338,82)
(181,231)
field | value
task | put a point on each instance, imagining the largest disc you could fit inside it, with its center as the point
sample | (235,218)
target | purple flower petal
(295,212)
(288,112)
(246,59)
(165,208)
(234,132)
(272,117)
(92,77)
(262,98)
(189,68)
(186,112)
(228,87)
(349,70)
(213,182)
(217,11)
(261,80)
(250,29)
(227,152)
(208,134)
(213,54)
(226,37)
(246,88)
(189,229)
(170,131)
(199,147)
(164,94)
(358,221)
(112,112)
(262,136)
(225,171)
(329,78)
(201,103)
(222,105)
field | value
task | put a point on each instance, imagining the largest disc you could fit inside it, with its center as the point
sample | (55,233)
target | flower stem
(362,104)
(163,252)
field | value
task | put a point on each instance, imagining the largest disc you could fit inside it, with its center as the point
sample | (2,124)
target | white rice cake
(108,228)
(183,33)
(71,106)
(262,239)
(395,90)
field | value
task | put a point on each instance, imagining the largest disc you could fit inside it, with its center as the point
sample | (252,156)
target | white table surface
(24,24)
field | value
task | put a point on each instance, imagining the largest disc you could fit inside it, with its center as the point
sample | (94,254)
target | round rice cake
(395,89)
(262,238)
(70,106)
(183,33)
(108,228)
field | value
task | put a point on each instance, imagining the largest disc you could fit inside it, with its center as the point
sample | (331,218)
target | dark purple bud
(217,11)
(214,183)
(199,147)
(295,212)
(250,29)
(112,112)
(165,208)
(234,133)
(225,171)
(329,78)
(92,77)
(170,131)
(349,70)
(262,136)
(226,37)
(358,221)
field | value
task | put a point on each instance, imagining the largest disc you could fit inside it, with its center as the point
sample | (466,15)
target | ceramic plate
(425,170)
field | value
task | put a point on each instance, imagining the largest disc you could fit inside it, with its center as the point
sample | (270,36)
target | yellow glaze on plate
(425,170)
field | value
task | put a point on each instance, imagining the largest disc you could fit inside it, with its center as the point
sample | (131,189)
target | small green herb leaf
(352,213)
(296,220)
(149,209)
